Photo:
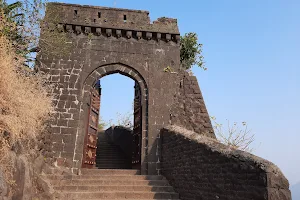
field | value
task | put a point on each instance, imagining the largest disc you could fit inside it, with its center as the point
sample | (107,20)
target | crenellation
(163,28)
(104,17)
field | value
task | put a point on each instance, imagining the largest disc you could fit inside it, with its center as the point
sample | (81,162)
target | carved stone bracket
(108,32)
(128,34)
(69,28)
(118,33)
(98,31)
(60,27)
(149,35)
(78,29)
(139,35)
(87,30)
(158,36)
(168,37)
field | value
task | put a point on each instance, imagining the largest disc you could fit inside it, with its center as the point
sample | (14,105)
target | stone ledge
(118,33)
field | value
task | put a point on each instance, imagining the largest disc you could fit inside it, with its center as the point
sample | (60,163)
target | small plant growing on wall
(168,69)
(191,52)
(101,124)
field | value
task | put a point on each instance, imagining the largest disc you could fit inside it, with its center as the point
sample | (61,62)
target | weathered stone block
(62,122)
(68,131)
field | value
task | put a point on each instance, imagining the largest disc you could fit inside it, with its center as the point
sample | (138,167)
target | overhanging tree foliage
(191,52)
(23,21)
(13,20)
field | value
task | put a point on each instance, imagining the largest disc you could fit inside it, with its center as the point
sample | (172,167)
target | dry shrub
(234,136)
(24,105)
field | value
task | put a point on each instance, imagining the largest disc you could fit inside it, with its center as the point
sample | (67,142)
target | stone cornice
(115,32)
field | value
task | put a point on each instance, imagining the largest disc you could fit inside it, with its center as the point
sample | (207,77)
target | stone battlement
(110,18)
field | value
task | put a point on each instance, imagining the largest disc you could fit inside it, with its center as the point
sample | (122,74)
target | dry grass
(24,105)
(234,136)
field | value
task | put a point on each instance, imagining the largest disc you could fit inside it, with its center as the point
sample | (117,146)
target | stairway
(110,156)
(99,184)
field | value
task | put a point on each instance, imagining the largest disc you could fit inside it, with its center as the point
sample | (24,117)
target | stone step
(110,172)
(119,166)
(107,146)
(102,142)
(113,167)
(105,177)
(112,164)
(109,154)
(102,151)
(126,199)
(117,195)
(107,151)
(100,164)
(110,157)
(112,161)
(104,155)
(101,182)
(112,188)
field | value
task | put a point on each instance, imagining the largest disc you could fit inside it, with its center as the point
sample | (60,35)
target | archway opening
(116,105)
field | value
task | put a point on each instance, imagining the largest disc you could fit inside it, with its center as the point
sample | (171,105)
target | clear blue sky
(252,52)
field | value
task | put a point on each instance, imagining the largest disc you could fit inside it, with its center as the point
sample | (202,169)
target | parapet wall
(88,18)
(201,168)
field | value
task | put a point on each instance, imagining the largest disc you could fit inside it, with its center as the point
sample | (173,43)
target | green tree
(13,19)
(10,11)
(24,21)
(101,124)
(191,52)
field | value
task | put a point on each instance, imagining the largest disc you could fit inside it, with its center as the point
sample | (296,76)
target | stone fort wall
(199,167)
(104,42)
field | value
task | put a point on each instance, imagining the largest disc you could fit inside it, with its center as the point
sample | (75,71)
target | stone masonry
(106,41)
(201,168)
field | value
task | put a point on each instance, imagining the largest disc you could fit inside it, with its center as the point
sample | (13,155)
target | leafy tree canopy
(191,52)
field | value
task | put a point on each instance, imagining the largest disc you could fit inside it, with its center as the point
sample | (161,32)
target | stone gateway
(169,106)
